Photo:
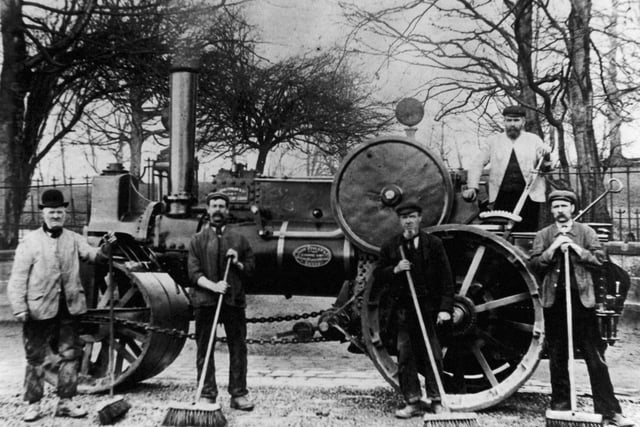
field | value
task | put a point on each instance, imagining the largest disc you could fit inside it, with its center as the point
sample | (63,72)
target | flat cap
(408,207)
(514,110)
(217,195)
(566,195)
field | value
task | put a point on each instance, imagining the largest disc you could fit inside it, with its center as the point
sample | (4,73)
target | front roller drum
(497,332)
(145,301)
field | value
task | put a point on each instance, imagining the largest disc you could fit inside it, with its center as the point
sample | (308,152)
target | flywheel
(380,174)
(497,332)
(152,318)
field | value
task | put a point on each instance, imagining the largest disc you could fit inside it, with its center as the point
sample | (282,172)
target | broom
(572,417)
(117,407)
(197,413)
(447,419)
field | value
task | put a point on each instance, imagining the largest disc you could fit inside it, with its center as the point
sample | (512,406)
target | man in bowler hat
(47,296)
(547,259)
(427,262)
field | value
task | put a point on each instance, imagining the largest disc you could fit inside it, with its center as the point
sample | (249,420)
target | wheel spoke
(131,334)
(505,349)
(520,326)
(122,352)
(473,269)
(501,302)
(484,365)
(127,296)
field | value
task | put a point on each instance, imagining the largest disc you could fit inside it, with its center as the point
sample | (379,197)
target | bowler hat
(566,195)
(408,207)
(217,195)
(52,198)
(514,110)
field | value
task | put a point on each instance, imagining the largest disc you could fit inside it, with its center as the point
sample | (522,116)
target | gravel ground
(298,405)
(293,407)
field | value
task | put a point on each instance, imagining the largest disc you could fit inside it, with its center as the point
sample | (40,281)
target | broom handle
(425,336)
(112,376)
(567,287)
(212,336)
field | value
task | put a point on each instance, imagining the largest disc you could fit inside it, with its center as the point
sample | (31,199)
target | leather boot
(410,410)
(32,413)
(67,408)
(242,403)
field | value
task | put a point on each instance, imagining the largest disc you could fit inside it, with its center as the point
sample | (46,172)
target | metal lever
(610,189)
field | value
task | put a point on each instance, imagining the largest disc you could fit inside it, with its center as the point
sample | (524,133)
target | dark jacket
(437,290)
(550,267)
(207,258)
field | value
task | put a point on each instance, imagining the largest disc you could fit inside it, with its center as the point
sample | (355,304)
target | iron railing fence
(623,207)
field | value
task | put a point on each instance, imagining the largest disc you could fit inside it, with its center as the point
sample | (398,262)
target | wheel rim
(498,327)
(149,298)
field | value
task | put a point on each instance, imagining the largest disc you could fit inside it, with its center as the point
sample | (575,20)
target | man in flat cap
(427,262)
(513,155)
(547,259)
(47,296)
(208,252)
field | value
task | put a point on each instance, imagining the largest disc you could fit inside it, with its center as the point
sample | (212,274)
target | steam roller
(497,334)
(148,303)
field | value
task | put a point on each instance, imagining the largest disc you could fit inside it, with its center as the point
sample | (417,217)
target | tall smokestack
(184,80)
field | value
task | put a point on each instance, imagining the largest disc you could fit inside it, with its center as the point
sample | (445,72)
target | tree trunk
(263,152)
(614,103)
(523,29)
(13,87)
(580,93)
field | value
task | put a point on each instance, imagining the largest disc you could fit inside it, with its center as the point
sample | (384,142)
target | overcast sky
(303,26)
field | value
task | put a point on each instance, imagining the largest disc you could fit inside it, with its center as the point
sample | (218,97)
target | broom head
(113,410)
(451,419)
(195,414)
(572,419)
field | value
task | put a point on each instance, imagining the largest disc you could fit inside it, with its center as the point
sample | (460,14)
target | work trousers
(235,326)
(60,333)
(412,355)
(530,213)
(586,337)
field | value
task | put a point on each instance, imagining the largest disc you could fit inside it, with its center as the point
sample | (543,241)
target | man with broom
(46,295)
(427,262)
(547,259)
(208,251)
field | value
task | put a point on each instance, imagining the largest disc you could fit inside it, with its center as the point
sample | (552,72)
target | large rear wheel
(498,327)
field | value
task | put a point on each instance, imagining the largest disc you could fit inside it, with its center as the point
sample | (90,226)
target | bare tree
(63,56)
(250,104)
(481,55)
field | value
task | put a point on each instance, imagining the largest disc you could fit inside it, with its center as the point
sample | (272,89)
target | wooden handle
(425,336)
(567,292)
(212,337)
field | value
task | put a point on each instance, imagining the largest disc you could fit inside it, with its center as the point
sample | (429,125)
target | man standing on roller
(513,155)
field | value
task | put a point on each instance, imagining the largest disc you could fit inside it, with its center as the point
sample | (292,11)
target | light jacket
(204,249)
(551,266)
(497,150)
(42,267)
